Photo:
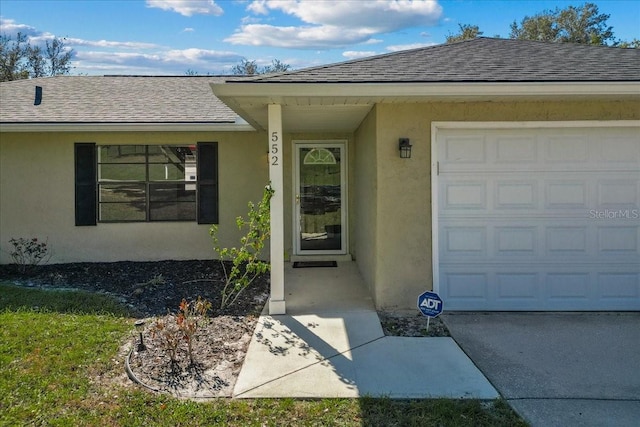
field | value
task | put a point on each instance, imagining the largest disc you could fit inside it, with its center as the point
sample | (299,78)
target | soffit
(342,107)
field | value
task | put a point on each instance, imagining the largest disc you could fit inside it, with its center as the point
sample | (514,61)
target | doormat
(310,264)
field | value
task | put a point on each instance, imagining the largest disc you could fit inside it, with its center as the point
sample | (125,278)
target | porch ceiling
(305,115)
(342,107)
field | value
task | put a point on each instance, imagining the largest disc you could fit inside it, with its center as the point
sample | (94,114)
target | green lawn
(54,346)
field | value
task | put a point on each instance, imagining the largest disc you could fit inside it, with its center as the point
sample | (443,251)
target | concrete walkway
(331,344)
(558,369)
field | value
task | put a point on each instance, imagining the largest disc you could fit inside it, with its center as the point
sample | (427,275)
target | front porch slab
(331,344)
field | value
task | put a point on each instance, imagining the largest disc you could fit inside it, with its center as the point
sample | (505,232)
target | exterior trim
(125,127)
(417,89)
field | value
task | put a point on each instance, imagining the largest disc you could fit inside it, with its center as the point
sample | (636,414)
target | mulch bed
(147,288)
(153,292)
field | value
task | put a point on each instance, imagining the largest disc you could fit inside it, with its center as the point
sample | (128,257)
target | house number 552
(274,148)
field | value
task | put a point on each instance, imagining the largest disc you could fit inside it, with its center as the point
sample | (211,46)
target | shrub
(29,252)
(188,320)
(245,261)
(182,327)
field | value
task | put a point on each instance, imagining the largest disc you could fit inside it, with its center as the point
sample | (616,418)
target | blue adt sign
(430,304)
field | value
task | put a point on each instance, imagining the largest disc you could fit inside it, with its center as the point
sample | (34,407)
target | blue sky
(173,36)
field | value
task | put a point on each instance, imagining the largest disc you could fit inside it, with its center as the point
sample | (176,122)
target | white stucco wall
(402,266)
(364,244)
(37,197)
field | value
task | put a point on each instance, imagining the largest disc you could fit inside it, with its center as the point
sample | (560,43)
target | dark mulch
(148,288)
(411,325)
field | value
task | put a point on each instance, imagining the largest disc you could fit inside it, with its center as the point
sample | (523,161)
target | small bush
(175,329)
(246,264)
(29,252)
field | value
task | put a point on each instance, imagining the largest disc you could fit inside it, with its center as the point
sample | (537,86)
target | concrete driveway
(558,369)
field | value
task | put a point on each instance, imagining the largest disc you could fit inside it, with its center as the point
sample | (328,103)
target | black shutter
(207,187)
(86,183)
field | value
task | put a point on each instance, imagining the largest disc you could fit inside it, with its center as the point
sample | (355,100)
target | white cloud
(307,37)
(333,23)
(355,54)
(11,28)
(397,47)
(198,56)
(157,62)
(187,7)
(110,44)
(259,7)
(384,15)
(188,30)
(130,57)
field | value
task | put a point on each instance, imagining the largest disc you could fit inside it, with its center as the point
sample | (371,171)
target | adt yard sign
(430,304)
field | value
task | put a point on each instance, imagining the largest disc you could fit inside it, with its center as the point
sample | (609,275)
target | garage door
(538,218)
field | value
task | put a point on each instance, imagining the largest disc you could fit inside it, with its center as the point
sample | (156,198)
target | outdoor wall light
(140,327)
(405,148)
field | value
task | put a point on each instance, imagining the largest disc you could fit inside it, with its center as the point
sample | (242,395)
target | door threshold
(311,258)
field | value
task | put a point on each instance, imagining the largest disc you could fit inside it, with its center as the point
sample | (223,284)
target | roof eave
(125,127)
(471,90)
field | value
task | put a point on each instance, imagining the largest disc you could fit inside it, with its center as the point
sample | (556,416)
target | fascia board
(276,91)
(125,127)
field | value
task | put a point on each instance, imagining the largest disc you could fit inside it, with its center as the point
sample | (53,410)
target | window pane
(121,154)
(163,211)
(122,211)
(122,172)
(147,182)
(172,193)
(129,193)
(166,172)
(171,153)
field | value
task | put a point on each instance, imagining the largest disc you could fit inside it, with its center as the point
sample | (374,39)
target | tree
(20,60)
(245,68)
(57,58)
(251,68)
(12,57)
(467,31)
(276,66)
(633,44)
(583,24)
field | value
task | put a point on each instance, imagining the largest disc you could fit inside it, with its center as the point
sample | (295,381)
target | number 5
(274,137)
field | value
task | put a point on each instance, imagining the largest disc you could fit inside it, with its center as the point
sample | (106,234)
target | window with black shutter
(85,183)
(143,183)
(208,183)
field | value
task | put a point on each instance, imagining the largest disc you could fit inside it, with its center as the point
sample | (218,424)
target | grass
(16,298)
(55,344)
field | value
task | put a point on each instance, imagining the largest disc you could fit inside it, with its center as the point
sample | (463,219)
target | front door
(320,198)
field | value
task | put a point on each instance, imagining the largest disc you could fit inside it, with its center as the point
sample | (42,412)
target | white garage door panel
(539,219)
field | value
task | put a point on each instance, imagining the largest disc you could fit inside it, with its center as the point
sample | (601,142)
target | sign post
(430,304)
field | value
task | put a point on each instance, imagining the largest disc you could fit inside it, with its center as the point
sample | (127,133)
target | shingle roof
(189,99)
(114,99)
(479,60)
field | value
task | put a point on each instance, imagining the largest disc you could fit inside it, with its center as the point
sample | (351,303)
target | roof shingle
(114,99)
(479,60)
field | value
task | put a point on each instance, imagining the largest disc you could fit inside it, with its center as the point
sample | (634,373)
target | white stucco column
(276,160)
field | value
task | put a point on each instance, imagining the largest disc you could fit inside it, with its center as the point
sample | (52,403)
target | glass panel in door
(320,199)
